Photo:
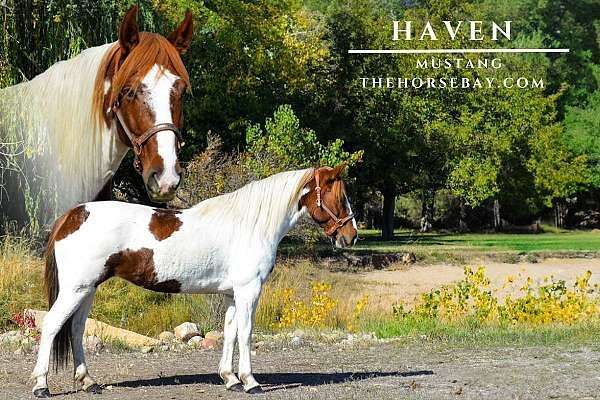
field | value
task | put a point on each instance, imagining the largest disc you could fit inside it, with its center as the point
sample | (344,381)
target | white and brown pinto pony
(226,244)
(79,118)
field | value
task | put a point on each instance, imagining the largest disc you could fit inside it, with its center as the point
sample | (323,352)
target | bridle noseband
(338,222)
(137,143)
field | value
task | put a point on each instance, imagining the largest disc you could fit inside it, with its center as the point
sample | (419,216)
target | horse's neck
(265,211)
(291,219)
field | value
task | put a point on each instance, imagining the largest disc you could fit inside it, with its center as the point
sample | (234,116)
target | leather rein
(338,222)
(137,143)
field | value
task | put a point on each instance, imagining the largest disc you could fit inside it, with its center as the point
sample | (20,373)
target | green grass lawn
(576,241)
(463,247)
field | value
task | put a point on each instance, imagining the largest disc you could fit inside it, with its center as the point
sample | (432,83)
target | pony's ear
(129,33)
(339,170)
(182,36)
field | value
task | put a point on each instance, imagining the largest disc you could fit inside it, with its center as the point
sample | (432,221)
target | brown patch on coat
(69,223)
(164,223)
(137,267)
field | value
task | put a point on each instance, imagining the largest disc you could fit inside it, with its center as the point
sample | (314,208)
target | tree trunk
(387,223)
(427,209)
(462,222)
(560,211)
(497,219)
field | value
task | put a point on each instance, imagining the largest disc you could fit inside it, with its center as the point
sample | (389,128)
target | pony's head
(139,89)
(327,203)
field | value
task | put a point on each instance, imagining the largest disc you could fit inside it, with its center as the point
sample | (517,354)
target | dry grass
(20,278)
(290,295)
(122,304)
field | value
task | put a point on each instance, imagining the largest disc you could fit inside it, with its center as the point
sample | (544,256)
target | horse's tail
(62,341)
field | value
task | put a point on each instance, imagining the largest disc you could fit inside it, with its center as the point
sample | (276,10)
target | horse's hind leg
(226,364)
(82,375)
(65,305)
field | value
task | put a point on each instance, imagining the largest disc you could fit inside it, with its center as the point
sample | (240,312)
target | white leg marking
(246,300)
(66,303)
(81,371)
(229,332)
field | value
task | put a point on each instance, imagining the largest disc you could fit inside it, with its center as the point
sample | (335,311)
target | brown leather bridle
(338,222)
(137,143)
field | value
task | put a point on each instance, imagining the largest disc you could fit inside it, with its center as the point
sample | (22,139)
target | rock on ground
(186,331)
(216,335)
(195,341)
(209,343)
(166,336)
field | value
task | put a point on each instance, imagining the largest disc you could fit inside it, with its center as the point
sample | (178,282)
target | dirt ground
(379,371)
(386,287)
(363,370)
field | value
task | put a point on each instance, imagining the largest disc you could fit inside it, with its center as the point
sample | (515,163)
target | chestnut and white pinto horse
(73,124)
(226,244)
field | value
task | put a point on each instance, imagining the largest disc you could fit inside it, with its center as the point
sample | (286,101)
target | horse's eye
(128,93)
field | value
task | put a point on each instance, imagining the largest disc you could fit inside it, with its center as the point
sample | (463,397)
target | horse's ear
(339,170)
(182,36)
(129,33)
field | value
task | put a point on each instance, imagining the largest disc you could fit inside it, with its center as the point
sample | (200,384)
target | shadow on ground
(281,380)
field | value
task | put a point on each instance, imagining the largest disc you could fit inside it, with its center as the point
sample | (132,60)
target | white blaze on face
(159,83)
(350,212)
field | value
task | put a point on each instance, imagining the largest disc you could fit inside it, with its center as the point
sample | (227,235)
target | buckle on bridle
(137,143)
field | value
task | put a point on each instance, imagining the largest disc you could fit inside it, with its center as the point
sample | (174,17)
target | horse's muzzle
(162,190)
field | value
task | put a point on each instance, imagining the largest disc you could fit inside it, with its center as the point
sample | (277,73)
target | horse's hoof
(41,393)
(238,387)
(255,390)
(94,389)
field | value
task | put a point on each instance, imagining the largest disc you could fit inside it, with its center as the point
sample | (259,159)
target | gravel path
(363,371)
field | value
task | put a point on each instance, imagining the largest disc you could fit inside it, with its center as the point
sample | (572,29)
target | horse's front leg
(226,364)
(246,300)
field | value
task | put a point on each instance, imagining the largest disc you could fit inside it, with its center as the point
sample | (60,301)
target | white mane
(263,207)
(57,104)
(52,117)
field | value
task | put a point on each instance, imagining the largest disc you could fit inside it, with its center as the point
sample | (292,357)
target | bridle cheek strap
(338,222)
(137,143)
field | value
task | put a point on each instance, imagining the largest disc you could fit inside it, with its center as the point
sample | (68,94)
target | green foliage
(474,179)
(582,126)
(553,166)
(283,144)
(38,34)
(248,58)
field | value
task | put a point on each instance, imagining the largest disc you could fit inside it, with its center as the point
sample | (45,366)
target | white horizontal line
(438,51)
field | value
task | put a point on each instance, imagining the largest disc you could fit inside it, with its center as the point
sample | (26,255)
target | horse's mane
(152,49)
(260,205)
(51,116)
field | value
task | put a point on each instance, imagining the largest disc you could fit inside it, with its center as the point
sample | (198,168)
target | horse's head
(328,204)
(143,81)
